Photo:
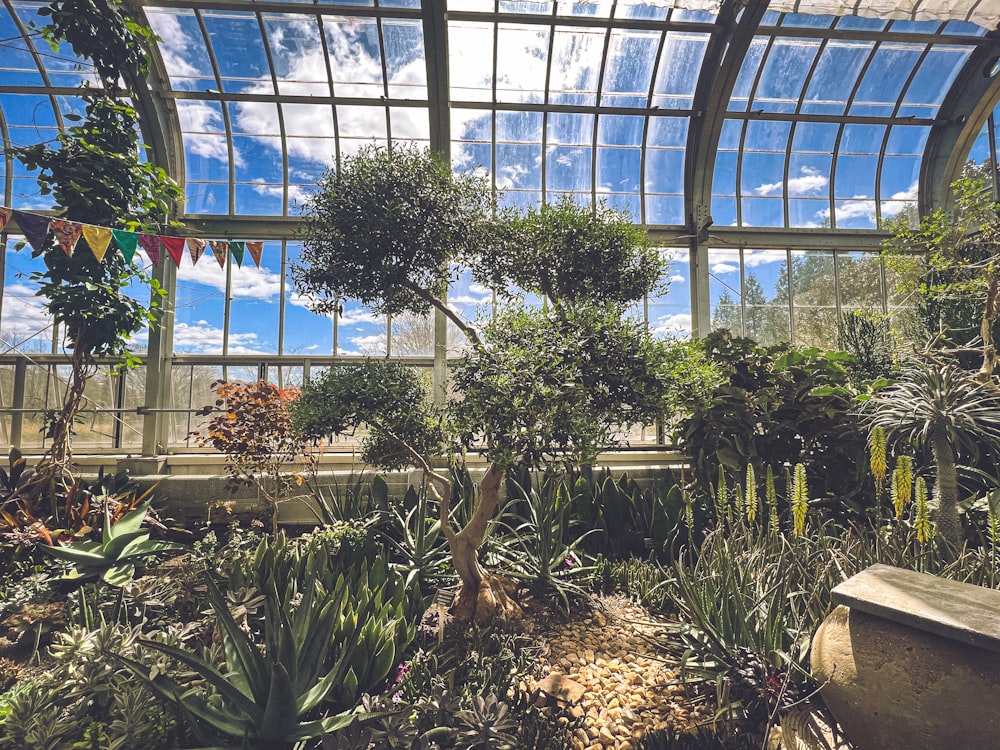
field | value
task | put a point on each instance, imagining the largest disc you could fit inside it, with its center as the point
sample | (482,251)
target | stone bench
(911,661)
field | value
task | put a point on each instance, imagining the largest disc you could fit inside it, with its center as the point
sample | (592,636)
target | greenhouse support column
(155,423)
(701,302)
(440,376)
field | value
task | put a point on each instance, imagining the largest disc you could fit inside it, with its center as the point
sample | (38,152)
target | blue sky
(253,156)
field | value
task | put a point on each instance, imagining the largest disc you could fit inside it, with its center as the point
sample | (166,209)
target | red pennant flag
(196,247)
(67,234)
(256,251)
(175,247)
(5,214)
(151,244)
(219,251)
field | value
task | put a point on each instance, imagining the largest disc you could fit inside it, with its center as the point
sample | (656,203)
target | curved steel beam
(721,66)
(965,108)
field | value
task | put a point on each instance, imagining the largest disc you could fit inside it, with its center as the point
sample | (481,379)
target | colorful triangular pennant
(256,251)
(196,247)
(98,238)
(219,251)
(5,214)
(67,234)
(35,229)
(127,242)
(150,243)
(237,249)
(175,248)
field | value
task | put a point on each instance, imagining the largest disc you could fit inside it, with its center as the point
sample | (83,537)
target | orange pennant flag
(196,247)
(67,234)
(175,248)
(219,248)
(98,238)
(256,250)
(5,214)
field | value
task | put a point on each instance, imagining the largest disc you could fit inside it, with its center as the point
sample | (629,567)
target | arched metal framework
(739,137)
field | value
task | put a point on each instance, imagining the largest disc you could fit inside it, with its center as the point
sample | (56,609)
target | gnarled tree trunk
(483,596)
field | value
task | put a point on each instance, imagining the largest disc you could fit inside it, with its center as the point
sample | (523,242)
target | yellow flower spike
(905,466)
(750,500)
(922,515)
(877,457)
(771,497)
(800,499)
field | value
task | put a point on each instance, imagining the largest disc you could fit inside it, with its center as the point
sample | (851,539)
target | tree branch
(454,317)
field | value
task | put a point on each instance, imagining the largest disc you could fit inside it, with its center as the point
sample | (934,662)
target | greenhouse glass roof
(756,117)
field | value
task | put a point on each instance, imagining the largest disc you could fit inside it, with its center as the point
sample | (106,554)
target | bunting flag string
(36,229)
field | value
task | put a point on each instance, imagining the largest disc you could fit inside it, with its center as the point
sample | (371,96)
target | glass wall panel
(765,296)
(256,303)
(814,298)
(670,314)
(726,290)
(199,306)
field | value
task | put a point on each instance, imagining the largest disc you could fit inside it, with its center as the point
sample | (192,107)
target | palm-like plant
(940,407)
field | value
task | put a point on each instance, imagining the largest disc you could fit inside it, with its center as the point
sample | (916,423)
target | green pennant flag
(236,249)
(127,242)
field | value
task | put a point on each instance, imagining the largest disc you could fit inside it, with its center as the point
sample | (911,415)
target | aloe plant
(122,545)
(266,699)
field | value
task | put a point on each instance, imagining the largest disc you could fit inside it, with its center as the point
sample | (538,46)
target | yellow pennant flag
(98,238)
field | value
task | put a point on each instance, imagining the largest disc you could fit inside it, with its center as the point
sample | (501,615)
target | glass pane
(629,68)
(470,60)
(236,41)
(784,73)
(404,59)
(297,53)
(199,306)
(814,298)
(765,295)
(575,66)
(725,290)
(255,306)
(355,57)
(306,332)
(859,279)
(670,314)
(680,64)
(522,55)
(832,82)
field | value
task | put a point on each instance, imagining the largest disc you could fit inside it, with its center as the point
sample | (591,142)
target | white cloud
(175,49)
(468,299)
(677,278)
(24,316)
(720,268)
(202,338)
(372,345)
(203,131)
(671,324)
(360,316)
(249,282)
(864,206)
(810,182)
(510,175)
(297,194)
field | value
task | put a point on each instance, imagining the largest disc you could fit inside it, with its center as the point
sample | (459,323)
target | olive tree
(536,385)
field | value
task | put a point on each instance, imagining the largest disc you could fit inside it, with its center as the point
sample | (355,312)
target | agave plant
(266,700)
(940,407)
(122,545)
